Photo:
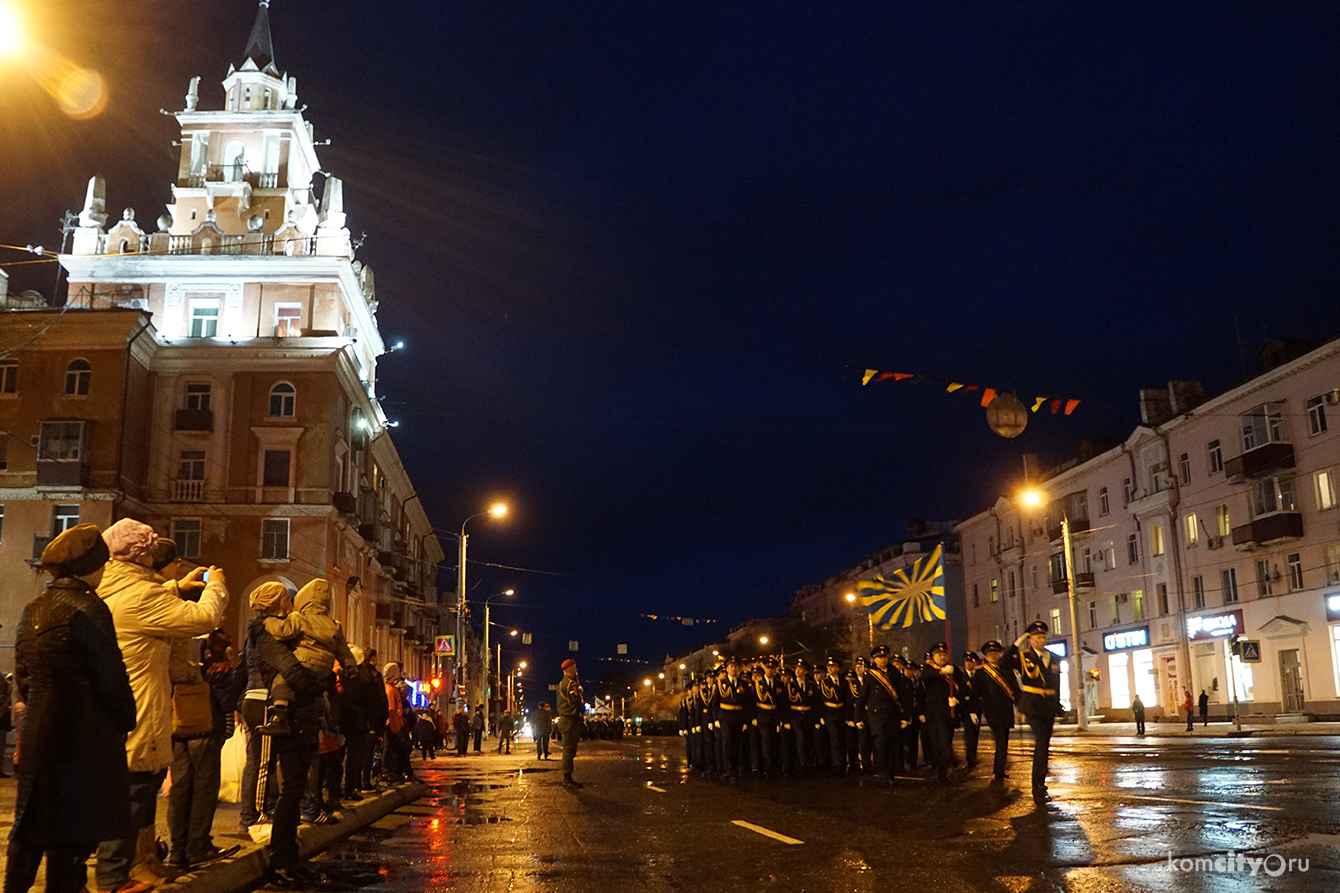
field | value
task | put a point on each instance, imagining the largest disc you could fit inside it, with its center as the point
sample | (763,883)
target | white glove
(922,717)
(787,726)
(683,734)
(821,722)
(1019,642)
(953,702)
(860,725)
(975,720)
(947,670)
(754,723)
(906,723)
(851,723)
(716,724)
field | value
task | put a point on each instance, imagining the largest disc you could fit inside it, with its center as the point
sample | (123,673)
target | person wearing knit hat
(71,677)
(148,616)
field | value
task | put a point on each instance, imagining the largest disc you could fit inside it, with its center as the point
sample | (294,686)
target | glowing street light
(762,640)
(497,510)
(11,32)
(851,597)
(646,682)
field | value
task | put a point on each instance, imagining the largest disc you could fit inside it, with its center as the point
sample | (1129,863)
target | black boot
(567,779)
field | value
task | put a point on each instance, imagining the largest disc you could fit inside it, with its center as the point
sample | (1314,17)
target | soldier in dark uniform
(883,714)
(711,747)
(730,719)
(1039,696)
(753,746)
(858,745)
(684,722)
(769,700)
(943,683)
(801,694)
(912,731)
(969,711)
(833,717)
(995,692)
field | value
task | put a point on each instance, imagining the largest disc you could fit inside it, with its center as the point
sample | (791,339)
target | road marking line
(1202,802)
(656,789)
(758,829)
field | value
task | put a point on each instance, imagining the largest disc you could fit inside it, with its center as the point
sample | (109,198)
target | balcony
(1082,581)
(1077,525)
(383,614)
(188,491)
(194,420)
(39,543)
(1269,529)
(367,531)
(1263,460)
(344,503)
(61,473)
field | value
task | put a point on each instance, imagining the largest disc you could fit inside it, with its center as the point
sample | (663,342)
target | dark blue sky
(639,251)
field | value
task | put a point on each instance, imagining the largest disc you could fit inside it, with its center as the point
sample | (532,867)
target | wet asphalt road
(1124,807)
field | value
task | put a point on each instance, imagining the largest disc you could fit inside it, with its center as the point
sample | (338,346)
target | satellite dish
(255,222)
(165,223)
(1007,416)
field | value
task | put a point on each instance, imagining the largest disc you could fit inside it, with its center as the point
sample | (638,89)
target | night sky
(640,252)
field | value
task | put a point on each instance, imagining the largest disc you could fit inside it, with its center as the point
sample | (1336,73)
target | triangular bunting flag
(1038,402)
(953,386)
(1070,406)
(988,394)
(869,374)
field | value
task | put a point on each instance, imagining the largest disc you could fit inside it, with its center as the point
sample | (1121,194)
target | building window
(995,590)
(1325,481)
(2,523)
(77,376)
(1086,560)
(1093,615)
(1035,577)
(1192,524)
(61,441)
(1332,563)
(282,399)
(976,597)
(197,396)
(204,318)
(1013,589)
(4,451)
(274,538)
(1109,557)
(1222,525)
(1056,622)
(276,468)
(288,320)
(1230,579)
(1156,539)
(192,465)
(1316,415)
(186,534)
(1216,456)
(1295,562)
(1103,505)
(1186,468)
(1127,491)
(1162,590)
(1138,603)
(63,517)
(9,378)
(1132,549)
(1262,425)
(1197,592)
(1114,610)
(1273,495)
(1263,582)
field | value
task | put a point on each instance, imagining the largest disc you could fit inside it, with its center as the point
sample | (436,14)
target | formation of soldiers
(877,718)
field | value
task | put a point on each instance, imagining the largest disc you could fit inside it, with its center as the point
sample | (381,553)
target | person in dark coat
(460,725)
(356,726)
(73,783)
(884,713)
(994,692)
(544,727)
(506,728)
(1039,696)
(1138,711)
(477,727)
(945,687)
(1204,704)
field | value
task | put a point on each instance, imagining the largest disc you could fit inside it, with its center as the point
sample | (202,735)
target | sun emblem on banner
(915,594)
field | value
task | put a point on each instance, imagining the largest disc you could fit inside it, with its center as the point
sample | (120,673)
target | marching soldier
(801,696)
(1039,698)
(912,731)
(943,684)
(731,696)
(883,714)
(768,703)
(710,698)
(858,735)
(751,730)
(684,722)
(832,717)
(995,693)
(970,712)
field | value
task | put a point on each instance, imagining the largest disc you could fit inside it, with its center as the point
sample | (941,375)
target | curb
(251,864)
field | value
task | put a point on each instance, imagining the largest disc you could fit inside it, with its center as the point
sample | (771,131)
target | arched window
(77,376)
(234,161)
(282,398)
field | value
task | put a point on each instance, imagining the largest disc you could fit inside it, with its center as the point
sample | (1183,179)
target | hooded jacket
(318,640)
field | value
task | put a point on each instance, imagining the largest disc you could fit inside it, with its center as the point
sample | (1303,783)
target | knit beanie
(132,541)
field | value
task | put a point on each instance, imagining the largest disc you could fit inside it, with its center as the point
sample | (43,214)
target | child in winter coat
(317,642)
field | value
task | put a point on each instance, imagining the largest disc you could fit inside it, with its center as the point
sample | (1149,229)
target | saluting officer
(995,691)
(801,695)
(832,716)
(730,718)
(1039,696)
(883,714)
(969,709)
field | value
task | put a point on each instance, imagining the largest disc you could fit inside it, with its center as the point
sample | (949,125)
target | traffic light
(1235,645)
(437,683)
(1095,674)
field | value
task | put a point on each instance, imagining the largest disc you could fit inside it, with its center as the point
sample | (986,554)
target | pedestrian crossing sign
(1251,650)
(446,645)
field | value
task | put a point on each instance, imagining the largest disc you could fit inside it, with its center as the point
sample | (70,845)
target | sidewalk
(251,862)
(1216,729)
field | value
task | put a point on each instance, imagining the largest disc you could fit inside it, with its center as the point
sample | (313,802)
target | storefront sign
(1333,606)
(1214,626)
(1057,648)
(1126,639)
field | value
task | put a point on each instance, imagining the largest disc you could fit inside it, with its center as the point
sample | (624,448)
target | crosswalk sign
(1251,650)
(446,645)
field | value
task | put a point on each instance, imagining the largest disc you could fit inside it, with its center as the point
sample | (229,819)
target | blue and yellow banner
(915,594)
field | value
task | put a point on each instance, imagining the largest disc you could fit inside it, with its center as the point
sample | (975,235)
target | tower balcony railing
(232,173)
(210,243)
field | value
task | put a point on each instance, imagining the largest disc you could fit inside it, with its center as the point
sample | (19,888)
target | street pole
(460,616)
(1077,685)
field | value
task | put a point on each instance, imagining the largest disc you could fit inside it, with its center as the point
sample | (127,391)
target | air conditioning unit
(1123,598)
(1333,397)
(1213,542)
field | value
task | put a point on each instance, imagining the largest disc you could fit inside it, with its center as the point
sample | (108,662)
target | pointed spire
(260,49)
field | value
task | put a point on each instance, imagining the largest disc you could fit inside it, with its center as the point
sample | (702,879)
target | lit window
(1192,529)
(204,318)
(1138,603)
(288,320)
(1156,539)
(1325,490)
(282,399)
(995,591)
(1222,525)
(77,376)
(274,538)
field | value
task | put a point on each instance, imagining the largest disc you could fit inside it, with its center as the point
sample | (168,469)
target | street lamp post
(1034,498)
(486,642)
(497,511)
